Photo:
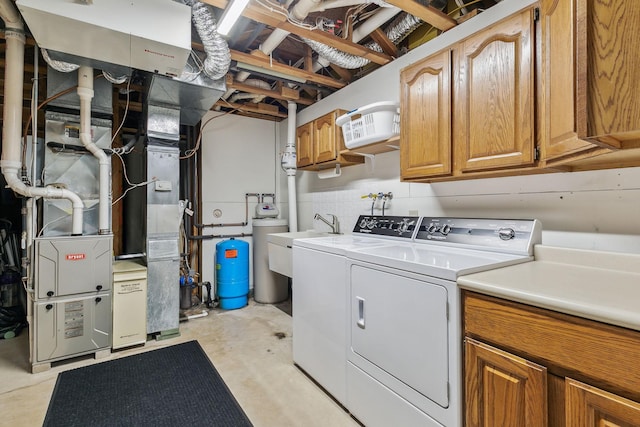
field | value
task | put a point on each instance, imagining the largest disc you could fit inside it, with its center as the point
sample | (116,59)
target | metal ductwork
(218,58)
(114,35)
(397,31)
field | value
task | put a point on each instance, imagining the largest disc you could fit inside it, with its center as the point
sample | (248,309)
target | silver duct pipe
(63,67)
(12,118)
(218,58)
(397,31)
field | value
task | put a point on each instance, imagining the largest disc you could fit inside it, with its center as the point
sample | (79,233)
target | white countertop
(602,286)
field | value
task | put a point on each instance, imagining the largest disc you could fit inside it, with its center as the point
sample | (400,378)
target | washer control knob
(506,233)
(432,228)
(363,223)
(445,229)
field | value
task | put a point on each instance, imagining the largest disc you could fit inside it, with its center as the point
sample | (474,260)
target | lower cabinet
(526,366)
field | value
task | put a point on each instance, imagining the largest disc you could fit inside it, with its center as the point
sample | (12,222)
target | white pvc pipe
(291,174)
(12,118)
(85,92)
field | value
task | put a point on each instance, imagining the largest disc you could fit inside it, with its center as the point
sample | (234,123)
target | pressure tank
(232,273)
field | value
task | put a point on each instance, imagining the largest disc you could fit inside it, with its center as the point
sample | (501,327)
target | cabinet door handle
(360,321)
(99,287)
(50,293)
(98,299)
(48,306)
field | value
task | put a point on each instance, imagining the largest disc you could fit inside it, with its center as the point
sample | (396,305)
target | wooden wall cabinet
(471,108)
(553,87)
(588,83)
(320,144)
(526,366)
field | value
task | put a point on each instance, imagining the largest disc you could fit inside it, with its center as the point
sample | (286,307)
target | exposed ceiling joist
(269,65)
(263,109)
(276,20)
(284,93)
(428,14)
(387,45)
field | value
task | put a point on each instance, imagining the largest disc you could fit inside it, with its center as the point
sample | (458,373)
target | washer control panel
(394,226)
(509,235)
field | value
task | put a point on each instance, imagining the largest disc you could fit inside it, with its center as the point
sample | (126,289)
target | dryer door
(399,329)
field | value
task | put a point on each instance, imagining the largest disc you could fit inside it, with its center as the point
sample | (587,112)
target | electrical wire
(190,152)
(126,177)
(126,111)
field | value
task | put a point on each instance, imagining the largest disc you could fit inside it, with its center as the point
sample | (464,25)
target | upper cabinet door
(325,138)
(495,97)
(425,127)
(304,145)
(563,78)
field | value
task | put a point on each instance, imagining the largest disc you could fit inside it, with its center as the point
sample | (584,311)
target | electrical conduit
(12,118)
(85,92)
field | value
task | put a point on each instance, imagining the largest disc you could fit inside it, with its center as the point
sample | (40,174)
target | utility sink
(280,249)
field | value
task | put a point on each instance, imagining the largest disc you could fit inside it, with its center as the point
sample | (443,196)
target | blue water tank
(232,273)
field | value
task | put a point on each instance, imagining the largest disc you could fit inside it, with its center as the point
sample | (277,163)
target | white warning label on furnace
(73,319)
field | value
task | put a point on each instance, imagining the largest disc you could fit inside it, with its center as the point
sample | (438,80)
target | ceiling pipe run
(12,118)
(381,16)
(397,31)
(299,13)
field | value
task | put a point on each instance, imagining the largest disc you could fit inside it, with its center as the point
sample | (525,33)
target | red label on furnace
(75,257)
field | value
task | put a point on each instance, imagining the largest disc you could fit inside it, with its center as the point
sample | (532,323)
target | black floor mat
(171,386)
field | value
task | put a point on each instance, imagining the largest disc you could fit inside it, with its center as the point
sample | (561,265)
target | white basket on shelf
(369,124)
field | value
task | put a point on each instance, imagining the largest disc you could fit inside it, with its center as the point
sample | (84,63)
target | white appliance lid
(436,261)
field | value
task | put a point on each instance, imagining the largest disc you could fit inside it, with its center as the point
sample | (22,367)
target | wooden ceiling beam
(338,43)
(269,65)
(260,14)
(263,109)
(387,45)
(428,14)
(342,72)
(284,93)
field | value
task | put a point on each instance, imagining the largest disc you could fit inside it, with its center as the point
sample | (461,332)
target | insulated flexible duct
(397,31)
(63,67)
(218,58)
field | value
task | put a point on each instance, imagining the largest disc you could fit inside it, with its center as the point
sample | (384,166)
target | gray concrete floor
(250,348)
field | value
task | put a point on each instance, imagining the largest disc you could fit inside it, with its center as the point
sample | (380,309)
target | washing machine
(320,296)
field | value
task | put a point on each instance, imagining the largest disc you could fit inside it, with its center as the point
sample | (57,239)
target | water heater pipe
(85,92)
(290,150)
(12,118)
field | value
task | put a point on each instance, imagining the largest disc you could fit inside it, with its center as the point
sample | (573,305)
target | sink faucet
(334,224)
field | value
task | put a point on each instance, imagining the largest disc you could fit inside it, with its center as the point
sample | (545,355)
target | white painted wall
(238,157)
(591,210)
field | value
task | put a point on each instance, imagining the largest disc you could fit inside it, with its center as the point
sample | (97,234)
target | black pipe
(218,236)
